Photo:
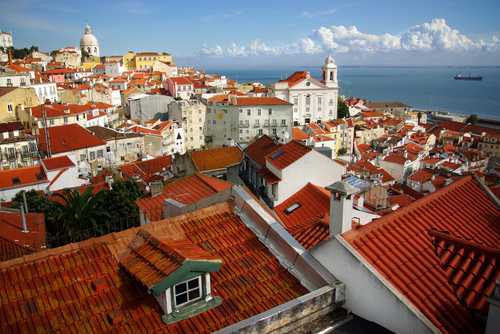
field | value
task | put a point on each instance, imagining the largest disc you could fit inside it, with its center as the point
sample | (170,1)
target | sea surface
(427,88)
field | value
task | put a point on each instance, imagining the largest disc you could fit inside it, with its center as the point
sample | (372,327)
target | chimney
(341,207)
(23,220)
(493,320)
(172,208)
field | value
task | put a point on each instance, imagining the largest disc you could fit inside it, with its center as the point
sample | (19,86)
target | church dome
(89,42)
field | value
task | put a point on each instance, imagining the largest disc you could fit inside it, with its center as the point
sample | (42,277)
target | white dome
(89,42)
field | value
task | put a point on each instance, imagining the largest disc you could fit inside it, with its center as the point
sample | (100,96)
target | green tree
(342,109)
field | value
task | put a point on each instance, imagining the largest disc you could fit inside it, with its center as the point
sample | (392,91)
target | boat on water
(468,77)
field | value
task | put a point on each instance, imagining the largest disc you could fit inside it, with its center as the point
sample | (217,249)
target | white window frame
(188,301)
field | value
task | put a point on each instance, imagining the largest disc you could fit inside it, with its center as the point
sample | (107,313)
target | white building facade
(313,100)
(89,43)
(191,115)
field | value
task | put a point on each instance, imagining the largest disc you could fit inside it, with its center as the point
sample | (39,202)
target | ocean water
(427,88)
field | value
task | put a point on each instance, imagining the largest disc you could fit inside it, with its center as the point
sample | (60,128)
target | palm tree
(80,216)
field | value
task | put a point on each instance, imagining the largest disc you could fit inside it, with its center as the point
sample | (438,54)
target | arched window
(331,76)
(88,49)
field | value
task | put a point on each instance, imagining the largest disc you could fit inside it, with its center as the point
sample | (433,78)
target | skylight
(292,208)
(277,154)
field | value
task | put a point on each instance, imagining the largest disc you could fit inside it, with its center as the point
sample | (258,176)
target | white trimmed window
(187,291)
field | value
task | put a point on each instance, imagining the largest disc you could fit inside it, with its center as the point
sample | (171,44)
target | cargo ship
(468,77)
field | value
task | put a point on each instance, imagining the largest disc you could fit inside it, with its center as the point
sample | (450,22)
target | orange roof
(258,149)
(146,169)
(399,247)
(67,138)
(298,134)
(431,161)
(402,200)
(260,101)
(471,269)
(181,80)
(421,176)
(11,229)
(57,163)
(295,78)
(150,260)
(372,114)
(18,68)
(308,223)
(143,130)
(85,283)
(10,250)
(21,177)
(187,190)
(450,165)
(59,109)
(395,158)
(287,154)
(216,158)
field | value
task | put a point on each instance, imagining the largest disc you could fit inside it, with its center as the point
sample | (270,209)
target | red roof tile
(146,169)
(258,149)
(399,247)
(216,158)
(181,80)
(287,154)
(11,250)
(21,177)
(188,190)
(298,134)
(260,101)
(309,222)
(81,286)
(295,78)
(471,269)
(57,163)
(449,165)
(67,138)
(150,260)
(396,158)
(421,176)
(402,200)
(11,229)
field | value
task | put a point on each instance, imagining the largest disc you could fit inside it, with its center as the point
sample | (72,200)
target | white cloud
(311,15)
(433,35)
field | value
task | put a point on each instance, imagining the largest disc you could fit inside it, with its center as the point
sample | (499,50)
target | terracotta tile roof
(399,247)
(21,177)
(372,114)
(11,229)
(7,90)
(216,158)
(295,78)
(402,200)
(187,190)
(144,130)
(449,165)
(150,260)
(268,176)
(309,223)
(11,250)
(395,158)
(258,149)
(298,134)
(421,176)
(471,269)
(146,169)
(287,154)
(82,286)
(431,161)
(181,80)
(67,138)
(57,163)
(11,126)
(260,101)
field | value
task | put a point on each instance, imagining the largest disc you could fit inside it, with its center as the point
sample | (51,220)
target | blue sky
(269,33)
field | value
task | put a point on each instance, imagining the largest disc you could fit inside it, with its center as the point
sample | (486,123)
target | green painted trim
(189,269)
(191,310)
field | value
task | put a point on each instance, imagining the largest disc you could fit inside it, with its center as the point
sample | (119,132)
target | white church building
(89,43)
(313,100)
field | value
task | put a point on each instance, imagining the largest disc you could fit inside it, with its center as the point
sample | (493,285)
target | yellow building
(14,100)
(145,60)
(90,63)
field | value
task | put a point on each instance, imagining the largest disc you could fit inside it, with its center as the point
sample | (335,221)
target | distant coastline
(423,87)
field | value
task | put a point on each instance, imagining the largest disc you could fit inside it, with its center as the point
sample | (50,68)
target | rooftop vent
(292,208)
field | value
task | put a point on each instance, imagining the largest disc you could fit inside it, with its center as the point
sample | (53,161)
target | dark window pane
(180,288)
(180,299)
(194,294)
(193,283)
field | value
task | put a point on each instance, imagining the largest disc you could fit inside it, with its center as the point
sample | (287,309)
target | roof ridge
(444,235)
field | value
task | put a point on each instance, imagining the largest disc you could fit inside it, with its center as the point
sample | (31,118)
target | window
(92,155)
(260,132)
(187,291)
(295,100)
(274,131)
(82,157)
(270,111)
(9,82)
(308,99)
(108,149)
(249,112)
(100,153)
(65,120)
(241,111)
(10,108)
(283,122)
(259,112)
(51,122)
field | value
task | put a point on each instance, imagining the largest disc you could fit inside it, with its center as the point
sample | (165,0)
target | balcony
(256,125)
(244,125)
